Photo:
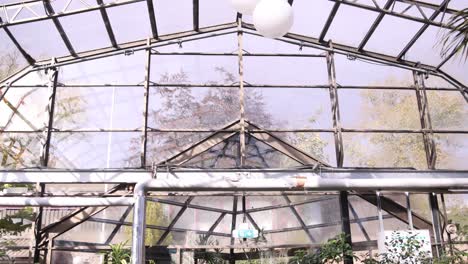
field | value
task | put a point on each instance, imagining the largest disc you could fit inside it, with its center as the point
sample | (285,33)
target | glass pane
(127,25)
(318,145)
(40,39)
(166,14)
(362,72)
(99,107)
(190,108)
(391,44)
(178,69)
(451,151)
(384,150)
(95,150)
(395,109)
(312,14)
(448,110)
(119,69)
(10,58)
(349,17)
(24,109)
(285,70)
(224,12)
(161,146)
(288,107)
(427,48)
(86,31)
(19,150)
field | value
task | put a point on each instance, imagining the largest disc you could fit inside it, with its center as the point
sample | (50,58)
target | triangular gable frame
(253,130)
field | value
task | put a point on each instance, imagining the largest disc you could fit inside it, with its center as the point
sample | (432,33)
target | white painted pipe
(278,184)
(66,201)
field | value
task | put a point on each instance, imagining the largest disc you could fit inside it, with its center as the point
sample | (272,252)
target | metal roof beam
(152,18)
(107,23)
(329,21)
(58,25)
(26,56)
(422,29)
(375,25)
(393,13)
(196,15)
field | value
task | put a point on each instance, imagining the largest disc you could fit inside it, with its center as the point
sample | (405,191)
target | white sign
(244,231)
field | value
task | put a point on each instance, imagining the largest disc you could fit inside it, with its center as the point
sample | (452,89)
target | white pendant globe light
(273,18)
(245,7)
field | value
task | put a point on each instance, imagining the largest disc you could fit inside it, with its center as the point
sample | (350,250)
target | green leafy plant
(455,40)
(119,254)
(334,251)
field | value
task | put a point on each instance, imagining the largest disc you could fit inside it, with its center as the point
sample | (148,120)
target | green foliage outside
(12,225)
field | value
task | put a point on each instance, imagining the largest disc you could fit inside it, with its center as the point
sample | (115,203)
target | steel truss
(47,237)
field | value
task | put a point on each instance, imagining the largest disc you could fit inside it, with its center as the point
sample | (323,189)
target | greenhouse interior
(233,131)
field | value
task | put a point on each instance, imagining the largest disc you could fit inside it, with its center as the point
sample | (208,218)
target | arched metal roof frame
(201,32)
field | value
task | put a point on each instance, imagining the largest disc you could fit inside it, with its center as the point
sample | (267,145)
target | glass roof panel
(392,35)
(40,39)
(348,17)
(422,50)
(86,31)
(10,58)
(312,16)
(127,25)
(167,12)
(224,12)
(457,4)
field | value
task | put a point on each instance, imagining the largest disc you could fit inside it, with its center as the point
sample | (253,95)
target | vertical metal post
(344,203)
(425,120)
(408,209)
(241,90)
(444,209)
(345,223)
(379,211)
(436,223)
(233,226)
(52,74)
(335,108)
(429,148)
(144,133)
(138,228)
